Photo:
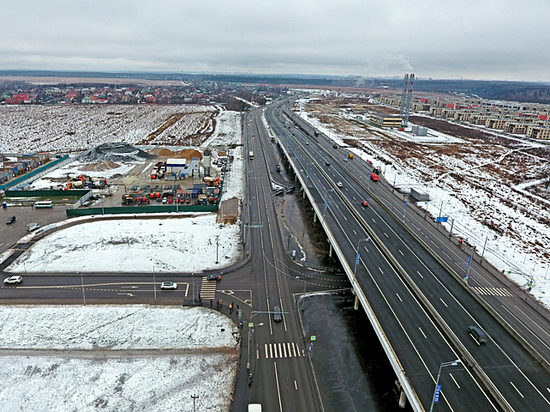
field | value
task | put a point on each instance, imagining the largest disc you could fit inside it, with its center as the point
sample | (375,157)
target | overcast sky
(476,39)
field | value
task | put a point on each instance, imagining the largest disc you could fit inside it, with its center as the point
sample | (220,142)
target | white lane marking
(380,269)
(385,234)
(278,387)
(420,274)
(295,386)
(520,394)
(402,254)
(443,302)
(266,351)
(454,380)
(257,353)
(399,297)
(422,332)
(354,231)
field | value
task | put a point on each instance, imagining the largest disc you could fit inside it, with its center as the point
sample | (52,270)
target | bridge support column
(314,217)
(402,395)
(402,400)
(304,195)
(329,249)
(356,303)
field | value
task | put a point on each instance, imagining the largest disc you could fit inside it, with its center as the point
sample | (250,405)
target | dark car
(477,334)
(10,220)
(327,163)
(214,277)
(277,314)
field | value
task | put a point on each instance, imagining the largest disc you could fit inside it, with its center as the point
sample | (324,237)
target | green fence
(140,210)
(48,194)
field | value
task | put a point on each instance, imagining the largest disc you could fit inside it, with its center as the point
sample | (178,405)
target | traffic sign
(250,325)
(313,337)
(468,260)
(436,397)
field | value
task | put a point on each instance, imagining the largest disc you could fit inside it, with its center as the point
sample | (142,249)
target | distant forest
(496,90)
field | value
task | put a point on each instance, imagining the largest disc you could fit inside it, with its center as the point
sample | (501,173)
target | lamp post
(326,201)
(194,397)
(217,244)
(437,386)
(83,293)
(154,284)
(358,256)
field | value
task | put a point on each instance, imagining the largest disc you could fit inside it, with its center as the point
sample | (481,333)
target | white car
(339,184)
(13,280)
(168,285)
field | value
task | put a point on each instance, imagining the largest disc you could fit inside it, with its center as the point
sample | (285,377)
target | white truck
(254,407)
(251,155)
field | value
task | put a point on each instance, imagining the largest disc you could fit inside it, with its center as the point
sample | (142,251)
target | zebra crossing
(282,350)
(208,289)
(481,290)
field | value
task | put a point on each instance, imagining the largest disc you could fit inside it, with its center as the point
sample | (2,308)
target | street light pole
(194,397)
(83,294)
(365,239)
(154,284)
(326,201)
(217,247)
(437,387)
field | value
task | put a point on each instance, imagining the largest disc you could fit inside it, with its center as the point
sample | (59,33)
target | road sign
(313,337)
(250,325)
(358,258)
(468,260)
(436,397)
(405,205)
(442,219)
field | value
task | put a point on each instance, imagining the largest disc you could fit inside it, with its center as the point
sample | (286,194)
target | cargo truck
(251,155)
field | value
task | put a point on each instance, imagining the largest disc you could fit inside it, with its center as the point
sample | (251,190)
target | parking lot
(10,234)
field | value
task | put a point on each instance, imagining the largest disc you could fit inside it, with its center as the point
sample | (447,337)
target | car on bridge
(340,184)
(364,203)
(374,177)
(13,280)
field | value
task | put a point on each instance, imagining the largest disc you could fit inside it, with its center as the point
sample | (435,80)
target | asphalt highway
(512,370)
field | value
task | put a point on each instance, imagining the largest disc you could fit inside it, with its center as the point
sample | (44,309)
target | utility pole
(217,245)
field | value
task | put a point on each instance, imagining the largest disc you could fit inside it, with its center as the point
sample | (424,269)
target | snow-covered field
(75,128)
(183,244)
(113,358)
(473,182)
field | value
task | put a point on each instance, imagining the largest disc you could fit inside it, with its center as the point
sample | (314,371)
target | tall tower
(406,98)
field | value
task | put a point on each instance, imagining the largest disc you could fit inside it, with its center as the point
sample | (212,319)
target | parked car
(10,220)
(339,184)
(277,314)
(364,203)
(214,277)
(168,285)
(13,280)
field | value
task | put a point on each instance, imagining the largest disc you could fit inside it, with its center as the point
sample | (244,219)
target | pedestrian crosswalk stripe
(481,290)
(282,350)
(208,288)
